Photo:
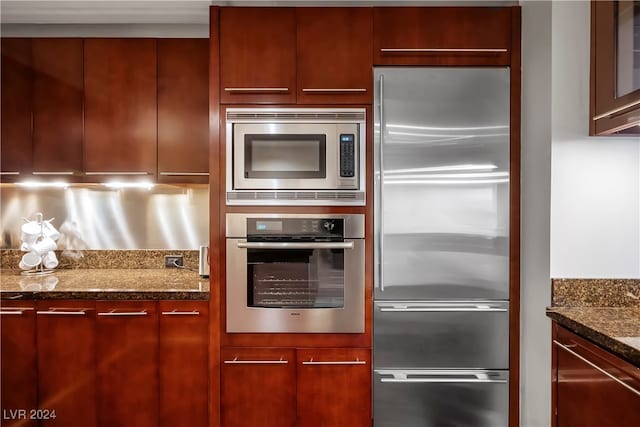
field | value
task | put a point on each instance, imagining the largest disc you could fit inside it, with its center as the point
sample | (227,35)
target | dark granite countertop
(106,284)
(616,329)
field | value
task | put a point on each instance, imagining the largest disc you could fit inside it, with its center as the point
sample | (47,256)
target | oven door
(291,156)
(315,287)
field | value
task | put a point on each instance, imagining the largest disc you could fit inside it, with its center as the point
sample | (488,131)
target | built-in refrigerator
(441,299)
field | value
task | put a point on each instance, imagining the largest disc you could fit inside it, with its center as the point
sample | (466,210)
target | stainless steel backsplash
(164,217)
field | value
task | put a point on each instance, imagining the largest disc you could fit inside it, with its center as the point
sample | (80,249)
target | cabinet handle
(616,110)
(593,365)
(184,173)
(9,173)
(463,50)
(256,89)
(334,90)
(65,173)
(123,313)
(337,362)
(18,311)
(181,313)
(117,173)
(235,361)
(63,312)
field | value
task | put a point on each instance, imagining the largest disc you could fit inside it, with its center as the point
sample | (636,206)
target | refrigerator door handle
(380,188)
(442,307)
(442,376)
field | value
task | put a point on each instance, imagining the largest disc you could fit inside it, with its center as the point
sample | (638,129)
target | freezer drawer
(437,398)
(441,334)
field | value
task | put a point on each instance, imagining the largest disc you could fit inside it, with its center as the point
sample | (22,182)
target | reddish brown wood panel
(67,362)
(414,29)
(214,218)
(127,351)
(57,107)
(335,55)
(603,97)
(18,363)
(334,394)
(261,392)
(257,55)
(120,107)
(183,110)
(15,109)
(184,363)
(587,397)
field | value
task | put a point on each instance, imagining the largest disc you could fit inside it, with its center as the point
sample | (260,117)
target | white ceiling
(166,11)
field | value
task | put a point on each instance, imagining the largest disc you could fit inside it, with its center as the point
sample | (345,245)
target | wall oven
(295,273)
(301,156)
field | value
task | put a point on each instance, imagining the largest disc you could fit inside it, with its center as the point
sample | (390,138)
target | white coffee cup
(44,245)
(50,260)
(30,231)
(29,261)
(50,231)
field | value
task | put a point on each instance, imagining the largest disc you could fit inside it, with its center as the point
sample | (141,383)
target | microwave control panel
(347,155)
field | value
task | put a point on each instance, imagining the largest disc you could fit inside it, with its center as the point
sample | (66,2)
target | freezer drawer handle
(441,376)
(286,245)
(435,308)
(235,361)
(337,362)
(593,365)
(418,50)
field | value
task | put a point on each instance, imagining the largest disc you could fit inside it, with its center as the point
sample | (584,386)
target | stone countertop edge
(118,295)
(625,351)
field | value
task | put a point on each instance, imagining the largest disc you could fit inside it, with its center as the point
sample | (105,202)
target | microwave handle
(287,245)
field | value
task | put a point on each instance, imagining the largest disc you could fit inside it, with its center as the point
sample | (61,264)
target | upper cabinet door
(16,141)
(183,110)
(615,67)
(120,108)
(335,49)
(257,55)
(57,108)
(441,36)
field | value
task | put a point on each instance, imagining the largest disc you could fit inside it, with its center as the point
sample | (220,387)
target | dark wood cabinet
(15,109)
(183,110)
(120,108)
(184,363)
(442,35)
(57,108)
(258,387)
(257,55)
(18,363)
(66,340)
(615,68)
(334,55)
(127,355)
(334,388)
(591,387)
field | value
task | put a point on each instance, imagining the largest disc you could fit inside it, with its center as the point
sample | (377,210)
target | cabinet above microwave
(295,156)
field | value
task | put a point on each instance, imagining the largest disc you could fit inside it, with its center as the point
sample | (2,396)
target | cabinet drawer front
(415,398)
(442,36)
(441,335)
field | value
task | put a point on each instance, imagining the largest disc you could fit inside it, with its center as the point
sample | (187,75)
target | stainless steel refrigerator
(441,300)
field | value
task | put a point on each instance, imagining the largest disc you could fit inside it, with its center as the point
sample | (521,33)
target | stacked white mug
(39,241)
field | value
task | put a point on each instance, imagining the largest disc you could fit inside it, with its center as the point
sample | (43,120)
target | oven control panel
(295,229)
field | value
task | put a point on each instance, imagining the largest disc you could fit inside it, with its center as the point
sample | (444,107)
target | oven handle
(288,245)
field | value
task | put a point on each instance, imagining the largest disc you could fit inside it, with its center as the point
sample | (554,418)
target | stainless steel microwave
(295,156)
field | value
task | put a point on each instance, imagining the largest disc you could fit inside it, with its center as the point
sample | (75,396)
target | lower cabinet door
(334,388)
(184,363)
(66,363)
(18,364)
(127,355)
(258,387)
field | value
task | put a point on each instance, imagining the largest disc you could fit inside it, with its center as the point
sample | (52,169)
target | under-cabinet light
(116,185)
(43,184)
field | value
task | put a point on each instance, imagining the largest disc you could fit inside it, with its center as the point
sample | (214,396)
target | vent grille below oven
(288,115)
(296,197)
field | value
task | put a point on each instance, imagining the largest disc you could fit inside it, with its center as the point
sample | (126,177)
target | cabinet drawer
(441,36)
(441,335)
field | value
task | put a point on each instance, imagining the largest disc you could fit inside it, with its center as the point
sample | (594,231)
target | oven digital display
(269,226)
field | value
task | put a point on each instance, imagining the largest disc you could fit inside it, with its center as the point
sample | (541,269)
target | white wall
(535,292)
(595,187)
